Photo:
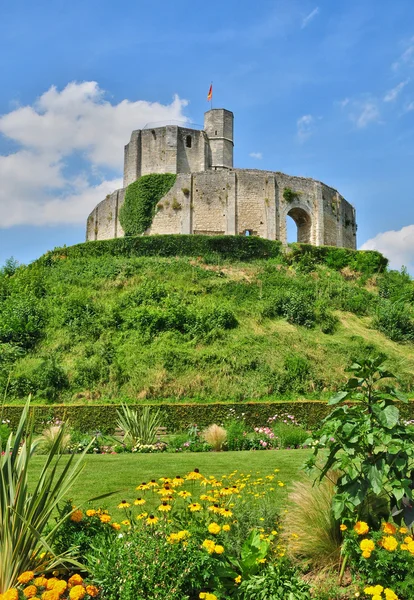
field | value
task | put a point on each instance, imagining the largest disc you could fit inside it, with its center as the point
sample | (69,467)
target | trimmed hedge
(178,417)
(364,261)
(235,247)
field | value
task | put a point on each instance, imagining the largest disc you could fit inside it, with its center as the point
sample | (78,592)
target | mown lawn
(123,472)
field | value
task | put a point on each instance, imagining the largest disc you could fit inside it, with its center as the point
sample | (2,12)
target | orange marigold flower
(92,590)
(76,516)
(105,518)
(361,528)
(389,528)
(75,580)
(25,577)
(30,591)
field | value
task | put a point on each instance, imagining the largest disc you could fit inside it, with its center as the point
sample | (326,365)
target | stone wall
(236,201)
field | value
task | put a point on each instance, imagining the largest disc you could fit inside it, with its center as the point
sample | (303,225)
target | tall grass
(310,531)
(215,436)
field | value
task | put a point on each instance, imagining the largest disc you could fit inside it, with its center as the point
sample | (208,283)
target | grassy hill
(236,321)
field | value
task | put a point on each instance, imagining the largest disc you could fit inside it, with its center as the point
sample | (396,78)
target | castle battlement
(211,197)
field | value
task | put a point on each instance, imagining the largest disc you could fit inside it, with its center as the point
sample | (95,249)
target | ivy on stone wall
(141,198)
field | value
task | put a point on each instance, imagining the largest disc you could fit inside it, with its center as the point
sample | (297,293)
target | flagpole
(211,101)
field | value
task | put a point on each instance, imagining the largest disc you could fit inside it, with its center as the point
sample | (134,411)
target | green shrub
(395,321)
(140,565)
(368,262)
(290,436)
(279,581)
(141,198)
(22,321)
(229,247)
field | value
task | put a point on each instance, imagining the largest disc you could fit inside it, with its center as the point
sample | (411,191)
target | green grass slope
(108,326)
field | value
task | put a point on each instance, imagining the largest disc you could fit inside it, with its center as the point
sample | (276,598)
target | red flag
(210,93)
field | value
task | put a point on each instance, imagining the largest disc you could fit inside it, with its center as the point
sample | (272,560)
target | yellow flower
(60,586)
(361,528)
(154,484)
(215,508)
(367,545)
(139,501)
(218,549)
(366,554)
(408,539)
(226,513)
(124,504)
(184,494)
(403,530)
(209,545)
(30,591)
(164,507)
(238,579)
(410,547)
(226,527)
(389,543)
(177,481)
(152,520)
(25,577)
(194,475)
(195,507)
(126,522)
(142,516)
(207,596)
(389,528)
(76,516)
(105,518)
(91,512)
(51,595)
(343,527)
(390,595)
(214,528)
(77,592)
(40,582)
(143,486)
(92,590)
(51,583)
(116,526)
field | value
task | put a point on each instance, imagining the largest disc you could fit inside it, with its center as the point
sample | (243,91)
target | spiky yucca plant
(25,514)
(139,428)
(215,436)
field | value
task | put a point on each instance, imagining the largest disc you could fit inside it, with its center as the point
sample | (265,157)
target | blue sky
(319,88)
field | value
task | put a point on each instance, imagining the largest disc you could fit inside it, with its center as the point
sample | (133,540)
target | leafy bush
(368,443)
(141,565)
(141,198)
(22,321)
(279,581)
(395,321)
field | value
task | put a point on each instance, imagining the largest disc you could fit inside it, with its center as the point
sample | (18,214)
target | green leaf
(375,479)
(387,417)
(338,398)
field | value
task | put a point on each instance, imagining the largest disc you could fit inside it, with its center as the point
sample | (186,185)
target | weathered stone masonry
(210,197)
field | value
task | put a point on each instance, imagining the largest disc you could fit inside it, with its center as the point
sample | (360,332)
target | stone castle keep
(211,197)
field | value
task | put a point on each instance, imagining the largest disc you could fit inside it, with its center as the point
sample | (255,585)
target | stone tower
(218,125)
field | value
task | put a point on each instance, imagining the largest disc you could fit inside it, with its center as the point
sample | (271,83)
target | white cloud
(397,246)
(365,113)
(407,57)
(257,155)
(305,127)
(77,120)
(409,107)
(394,93)
(310,17)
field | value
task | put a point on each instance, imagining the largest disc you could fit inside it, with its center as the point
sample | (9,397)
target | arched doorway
(303,225)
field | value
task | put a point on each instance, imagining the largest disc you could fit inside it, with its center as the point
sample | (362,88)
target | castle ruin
(211,197)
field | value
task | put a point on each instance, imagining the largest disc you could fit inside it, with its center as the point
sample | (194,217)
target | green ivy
(141,198)
(289,195)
